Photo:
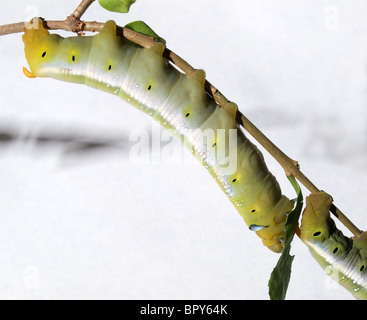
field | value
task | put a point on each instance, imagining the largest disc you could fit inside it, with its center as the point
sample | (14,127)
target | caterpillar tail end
(28,73)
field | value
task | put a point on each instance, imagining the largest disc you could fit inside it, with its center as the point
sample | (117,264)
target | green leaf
(143,28)
(280,277)
(122,6)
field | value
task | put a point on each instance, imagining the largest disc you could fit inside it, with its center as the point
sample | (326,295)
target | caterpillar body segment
(179,102)
(344,259)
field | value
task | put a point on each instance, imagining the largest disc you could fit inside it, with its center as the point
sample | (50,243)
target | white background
(90,225)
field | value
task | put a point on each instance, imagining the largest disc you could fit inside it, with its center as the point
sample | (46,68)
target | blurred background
(80,220)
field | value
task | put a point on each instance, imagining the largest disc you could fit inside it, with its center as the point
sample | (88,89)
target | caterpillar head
(40,47)
(316,217)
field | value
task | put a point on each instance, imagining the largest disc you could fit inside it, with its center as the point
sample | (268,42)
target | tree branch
(291,167)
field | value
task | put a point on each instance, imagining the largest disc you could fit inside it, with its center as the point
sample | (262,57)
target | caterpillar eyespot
(209,124)
(346,256)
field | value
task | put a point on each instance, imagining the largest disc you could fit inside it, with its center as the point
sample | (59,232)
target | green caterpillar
(344,259)
(179,102)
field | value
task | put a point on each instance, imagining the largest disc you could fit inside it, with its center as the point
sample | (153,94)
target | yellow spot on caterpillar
(149,85)
(28,73)
(73,56)
(110,64)
(236,177)
(187,111)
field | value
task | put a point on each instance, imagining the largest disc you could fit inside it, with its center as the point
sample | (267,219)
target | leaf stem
(290,166)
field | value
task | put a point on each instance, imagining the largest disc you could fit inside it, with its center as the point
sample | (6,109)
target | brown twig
(82,8)
(12,28)
(290,166)
(71,23)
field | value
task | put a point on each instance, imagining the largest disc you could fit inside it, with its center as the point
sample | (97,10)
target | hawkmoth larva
(179,102)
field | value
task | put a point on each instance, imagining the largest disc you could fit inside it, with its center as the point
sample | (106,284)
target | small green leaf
(280,277)
(143,28)
(122,6)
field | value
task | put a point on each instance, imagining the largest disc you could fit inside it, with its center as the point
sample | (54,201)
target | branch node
(295,163)
(74,24)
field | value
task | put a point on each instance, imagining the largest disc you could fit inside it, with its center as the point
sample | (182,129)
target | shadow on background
(76,143)
(326,140)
